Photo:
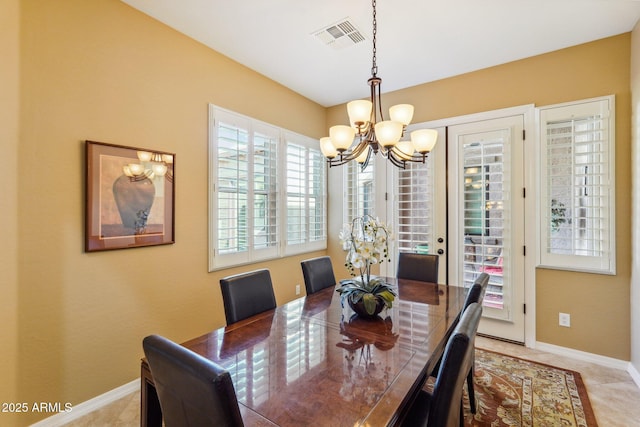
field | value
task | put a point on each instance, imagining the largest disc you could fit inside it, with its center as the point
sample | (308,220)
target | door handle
(440,251)
(440,240)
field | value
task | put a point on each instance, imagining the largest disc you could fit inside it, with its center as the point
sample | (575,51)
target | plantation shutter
(577,203)
(359,191)
(245,196)
(414,208)
(306,197)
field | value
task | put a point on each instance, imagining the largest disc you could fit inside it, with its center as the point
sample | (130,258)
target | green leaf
(370,302)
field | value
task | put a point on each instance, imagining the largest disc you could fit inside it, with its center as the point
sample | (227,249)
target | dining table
(312,361)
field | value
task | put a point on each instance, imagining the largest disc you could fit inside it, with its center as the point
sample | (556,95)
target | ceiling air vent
(340,35)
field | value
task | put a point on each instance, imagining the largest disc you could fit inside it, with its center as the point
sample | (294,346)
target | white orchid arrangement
(366,240)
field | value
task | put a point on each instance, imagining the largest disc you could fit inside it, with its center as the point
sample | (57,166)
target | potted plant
(366,241)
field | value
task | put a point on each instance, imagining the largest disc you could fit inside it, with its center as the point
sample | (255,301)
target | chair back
(318,274)
(192,390)
(477,290)
(247,294)
(422,267)
(445,408)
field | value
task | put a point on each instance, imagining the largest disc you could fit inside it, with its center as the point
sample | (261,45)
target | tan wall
(598,304)
(103,71)
(9,106)
(635,247)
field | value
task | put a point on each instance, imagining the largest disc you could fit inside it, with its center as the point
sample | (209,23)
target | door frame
(531,224)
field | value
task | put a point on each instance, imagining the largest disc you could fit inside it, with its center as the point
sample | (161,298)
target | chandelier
(374,133)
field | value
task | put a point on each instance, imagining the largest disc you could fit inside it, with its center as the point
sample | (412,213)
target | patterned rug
(516,392)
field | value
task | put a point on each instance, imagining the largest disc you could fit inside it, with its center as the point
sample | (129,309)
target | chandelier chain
(374,65)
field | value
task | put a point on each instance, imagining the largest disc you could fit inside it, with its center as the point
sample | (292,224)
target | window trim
(572,262)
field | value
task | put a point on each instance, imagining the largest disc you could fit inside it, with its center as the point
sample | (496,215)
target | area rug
(516,392)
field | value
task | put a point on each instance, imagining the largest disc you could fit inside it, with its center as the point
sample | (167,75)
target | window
(306,195)
(414,213)
(359,191)
(577,207)
(248,159)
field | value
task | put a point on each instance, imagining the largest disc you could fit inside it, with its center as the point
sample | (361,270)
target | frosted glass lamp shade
(402,113)
(424,140)
(388,132)
(136,169)
(404,150)
(159,169)
(327,148)
(342,136)
(359,112)
(363,156)
(144,156)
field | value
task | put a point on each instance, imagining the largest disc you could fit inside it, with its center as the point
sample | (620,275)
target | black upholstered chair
(192,390)
(318,274)
(475,294)
(423,267)
(443,406)
(247,294)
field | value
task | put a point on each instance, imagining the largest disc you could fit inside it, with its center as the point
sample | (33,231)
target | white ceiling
(418,41)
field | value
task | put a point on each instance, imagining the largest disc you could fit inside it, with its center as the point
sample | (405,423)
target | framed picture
(129,196)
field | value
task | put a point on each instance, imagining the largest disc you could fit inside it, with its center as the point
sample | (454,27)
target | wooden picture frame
(130,197)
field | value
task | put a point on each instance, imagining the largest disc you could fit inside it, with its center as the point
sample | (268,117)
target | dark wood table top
(311,362)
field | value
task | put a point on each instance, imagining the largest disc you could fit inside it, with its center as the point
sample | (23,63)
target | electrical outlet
(297,289)
(564,319)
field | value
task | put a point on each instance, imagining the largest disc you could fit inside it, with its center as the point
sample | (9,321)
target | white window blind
(247,159)
(359,191)
(577,172)
(414,208)
(306,196)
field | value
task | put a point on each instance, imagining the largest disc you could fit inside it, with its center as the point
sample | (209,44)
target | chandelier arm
(395,161)
(364,164)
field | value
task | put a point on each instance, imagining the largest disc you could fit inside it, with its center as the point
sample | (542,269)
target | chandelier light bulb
(327,148)
(342,137)
(388,132)
(402,113)
(424,140)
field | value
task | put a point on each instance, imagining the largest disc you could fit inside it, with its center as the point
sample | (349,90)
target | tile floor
(614,396)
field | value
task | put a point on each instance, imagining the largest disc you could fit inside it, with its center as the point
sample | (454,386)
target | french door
(486,218)
(467,204)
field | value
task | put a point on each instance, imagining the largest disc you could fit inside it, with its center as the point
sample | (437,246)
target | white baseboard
(635,375)
(90,405)
(606,361)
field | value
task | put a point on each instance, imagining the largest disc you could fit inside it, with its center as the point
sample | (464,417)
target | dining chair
(192,390)
(247,294)
(475,294)
(318,274)
(443,406)
(422,267)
